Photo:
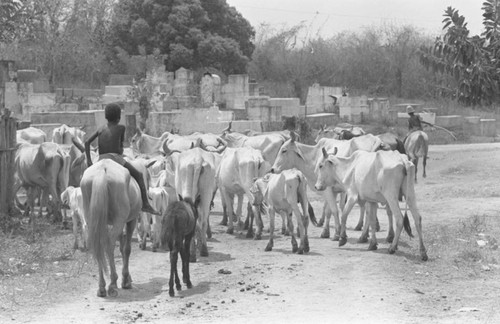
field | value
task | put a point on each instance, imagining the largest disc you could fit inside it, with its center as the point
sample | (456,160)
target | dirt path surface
(327,285)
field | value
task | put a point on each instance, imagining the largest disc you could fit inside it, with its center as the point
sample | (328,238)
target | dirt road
(329,284)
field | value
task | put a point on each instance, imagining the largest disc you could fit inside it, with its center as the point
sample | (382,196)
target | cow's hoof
(230,231)
(192,259)
(223,222)
(204,251)
(358,227)
(189,285)
(142,246)
(171,293)
(342,241)
(325,233)
(392,250)
(389,238)
(372,246)
(268,248)
(101,292)
(300,251)
(363,239)
(112,292)
(127,283)
(250,234)
(257,237)
(336,237)
(424,256)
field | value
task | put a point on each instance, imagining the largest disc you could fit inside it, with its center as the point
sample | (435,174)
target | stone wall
(236,91)
(319,98)
(289,106)
(187,121)
(259,108)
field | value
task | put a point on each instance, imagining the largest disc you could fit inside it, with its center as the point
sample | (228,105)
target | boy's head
(112,112)
(410,110)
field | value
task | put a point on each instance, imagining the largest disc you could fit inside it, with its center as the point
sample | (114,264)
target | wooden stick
(449,132)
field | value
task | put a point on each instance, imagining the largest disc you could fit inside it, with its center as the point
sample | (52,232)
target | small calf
(72,199)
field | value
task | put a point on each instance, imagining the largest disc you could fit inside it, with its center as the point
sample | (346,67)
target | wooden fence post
(7,168)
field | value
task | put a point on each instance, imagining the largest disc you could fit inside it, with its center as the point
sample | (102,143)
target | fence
(8,141)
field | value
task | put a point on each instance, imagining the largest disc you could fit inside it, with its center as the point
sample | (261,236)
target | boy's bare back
(110,139)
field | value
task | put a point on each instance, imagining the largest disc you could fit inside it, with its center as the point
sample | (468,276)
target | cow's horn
(221,147)
(78,145)
(228,129)
(168,151)
(292,136)
(203,146)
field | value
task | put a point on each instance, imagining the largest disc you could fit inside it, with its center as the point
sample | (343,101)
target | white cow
(282,193)
(65,134)
(150,225)
(72,198)
(305,158)
(235,174)
(372,178)
(195,171)
(31,135)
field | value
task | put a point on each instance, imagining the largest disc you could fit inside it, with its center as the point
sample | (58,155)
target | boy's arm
(87,147)
(122,139)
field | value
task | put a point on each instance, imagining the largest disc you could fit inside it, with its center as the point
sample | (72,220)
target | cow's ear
(292,136)
(180,197)
(138,131)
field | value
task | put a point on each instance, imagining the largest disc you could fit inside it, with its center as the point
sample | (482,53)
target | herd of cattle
(273,171)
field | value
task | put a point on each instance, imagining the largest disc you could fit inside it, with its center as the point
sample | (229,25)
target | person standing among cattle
(110,144)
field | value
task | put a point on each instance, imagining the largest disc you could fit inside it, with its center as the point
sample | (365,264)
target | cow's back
(372,172)
(416,144)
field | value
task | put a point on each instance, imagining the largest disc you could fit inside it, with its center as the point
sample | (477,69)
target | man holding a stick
(415,123)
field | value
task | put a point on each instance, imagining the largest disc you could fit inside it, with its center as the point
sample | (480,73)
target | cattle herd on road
(272,171)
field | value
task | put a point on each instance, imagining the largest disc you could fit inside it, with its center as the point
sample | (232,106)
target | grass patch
(40,268)
(470,244)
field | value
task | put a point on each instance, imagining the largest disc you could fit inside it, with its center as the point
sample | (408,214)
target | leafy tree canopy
(11,17)
(472,62)
(192,33)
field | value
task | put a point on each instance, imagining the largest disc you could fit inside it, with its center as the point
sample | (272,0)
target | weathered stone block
(449,121)
(68,107)
(121,79)
(488,127)
(289,106)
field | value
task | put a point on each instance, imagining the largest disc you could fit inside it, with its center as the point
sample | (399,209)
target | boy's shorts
(118,158)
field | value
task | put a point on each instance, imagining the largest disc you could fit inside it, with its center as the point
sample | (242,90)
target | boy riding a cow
(110,141)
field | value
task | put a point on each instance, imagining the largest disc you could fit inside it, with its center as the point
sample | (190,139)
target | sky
(329,17)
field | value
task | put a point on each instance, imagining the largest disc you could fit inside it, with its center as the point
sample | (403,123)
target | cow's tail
(168,224)
(409,194)
(304,201)
(98,213)
(420,146)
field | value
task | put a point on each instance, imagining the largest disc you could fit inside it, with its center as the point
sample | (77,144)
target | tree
(471,61)
(12,16)
(192,33)
(66,41)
